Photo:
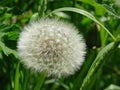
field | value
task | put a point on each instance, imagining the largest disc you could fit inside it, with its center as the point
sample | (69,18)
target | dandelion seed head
(52,46)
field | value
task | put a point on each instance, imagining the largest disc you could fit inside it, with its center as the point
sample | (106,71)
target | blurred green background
(15,14)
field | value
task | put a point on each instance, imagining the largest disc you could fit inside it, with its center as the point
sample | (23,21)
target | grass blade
(98,62)
(16,87)
(40,81)
(85,13)
(8,51)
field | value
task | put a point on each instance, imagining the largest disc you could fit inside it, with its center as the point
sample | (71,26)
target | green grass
(97,20)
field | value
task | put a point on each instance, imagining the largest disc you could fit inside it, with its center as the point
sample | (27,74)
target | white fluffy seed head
(51,46)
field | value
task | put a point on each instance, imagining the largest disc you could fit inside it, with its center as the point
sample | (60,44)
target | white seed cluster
(51,46)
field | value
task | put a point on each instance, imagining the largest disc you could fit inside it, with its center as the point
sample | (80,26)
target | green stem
(40,81)
(16,84)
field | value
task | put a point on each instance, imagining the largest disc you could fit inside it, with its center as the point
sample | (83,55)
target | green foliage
(17,78)
(104,54)
(87,14)
(112,87)
(97,20)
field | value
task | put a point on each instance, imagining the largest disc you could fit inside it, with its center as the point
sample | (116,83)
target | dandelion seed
(51,46)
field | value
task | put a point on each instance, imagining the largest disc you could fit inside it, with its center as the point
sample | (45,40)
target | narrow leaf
(85,13)
(99,61)
(103,8)
(16,84)
(112,87)
(40,81)
(8,51)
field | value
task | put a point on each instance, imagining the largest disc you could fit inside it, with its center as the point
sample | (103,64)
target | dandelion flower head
(52,46)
